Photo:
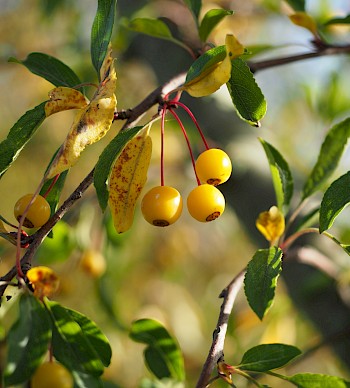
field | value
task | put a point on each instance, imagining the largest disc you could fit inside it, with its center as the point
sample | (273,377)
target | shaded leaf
(261,279)
(312,380)
(338,20)
(163,356)
(106,161)
(28,341)
(281,176)
(50,68)
(153,27)
(245,93)
(101,32)
(328,158)
(71,341)
(127,179)
(263,358)
(19,135)
(335,199)
(195,7)
(297,5)
(210,20)
(84,380)
(54,195)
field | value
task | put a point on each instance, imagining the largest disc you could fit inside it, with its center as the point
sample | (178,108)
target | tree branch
(216,351)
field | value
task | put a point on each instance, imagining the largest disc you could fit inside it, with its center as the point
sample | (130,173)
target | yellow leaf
(271,224)
(127,179)
(91,123)
(63,98)
(210,81)
(303,19)
(44,280)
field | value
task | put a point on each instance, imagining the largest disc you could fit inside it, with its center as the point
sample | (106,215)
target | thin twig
(216,351)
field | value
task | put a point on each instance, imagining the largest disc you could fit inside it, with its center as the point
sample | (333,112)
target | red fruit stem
(55,179)
(193,119)
(162,125)
(187,141)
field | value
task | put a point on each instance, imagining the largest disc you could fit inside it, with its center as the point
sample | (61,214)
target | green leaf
(54,195)
(19,135)
(263,358)
(245,93)
(28,341)
(101,32)
(328,158)
(297,5)
(153,27)
(162,355)
(71,340)
(50,68)
(195,7)
(83,380)
(261,279)
(339,20)
(281,176)
(206,62)
(311,380)
(210,20)
(335,199)
(106,161)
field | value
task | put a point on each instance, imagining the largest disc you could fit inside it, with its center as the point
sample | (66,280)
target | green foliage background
(176,274)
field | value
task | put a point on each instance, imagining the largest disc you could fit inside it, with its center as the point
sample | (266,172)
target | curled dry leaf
(90,123)
(63,98)
(271,224)
(44,280)
(127,179)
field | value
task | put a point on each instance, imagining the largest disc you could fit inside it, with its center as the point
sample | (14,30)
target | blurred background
(176,274)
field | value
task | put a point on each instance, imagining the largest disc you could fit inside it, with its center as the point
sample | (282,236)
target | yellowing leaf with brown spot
(63,98)
(44,280)
(127,179)
(91,123)
(271,224)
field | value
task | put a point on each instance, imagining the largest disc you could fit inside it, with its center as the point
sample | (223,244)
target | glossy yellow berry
(38,213)
(213,166)
(93,263)
(161,206)
(52,375)
(205,203)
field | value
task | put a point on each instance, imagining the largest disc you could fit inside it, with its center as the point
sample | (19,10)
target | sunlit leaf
(127,179)
(266,357)
(210,20)
(28,341)
(281,176)
(19,135)
(271,224)
(261,279)
(106,161)
(72,347)
(162,355)
(245,93)
(50,68)
(335,199)
(328,158)
(101,32)
(303,19)
(63,98)
(312,380)
(90,124)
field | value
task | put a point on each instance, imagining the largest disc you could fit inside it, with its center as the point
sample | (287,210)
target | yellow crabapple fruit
(38,213)
(52,375)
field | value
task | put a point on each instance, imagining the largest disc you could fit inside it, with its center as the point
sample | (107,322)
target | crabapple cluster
(162,205)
